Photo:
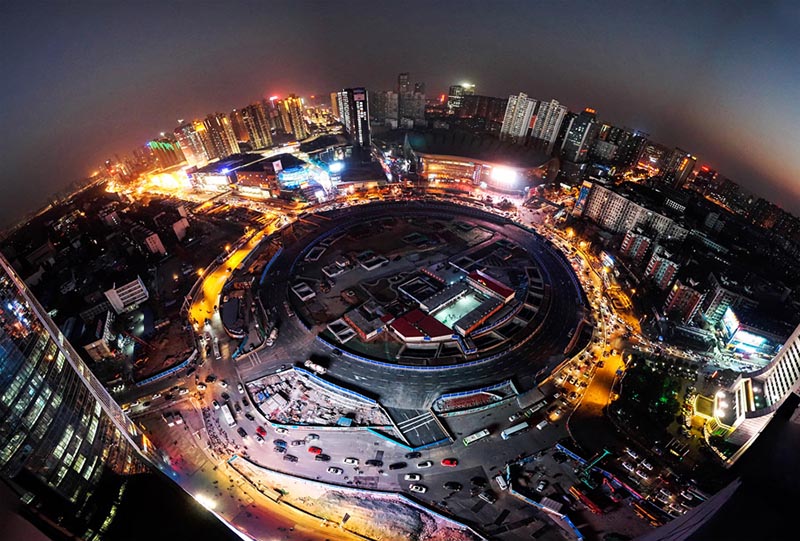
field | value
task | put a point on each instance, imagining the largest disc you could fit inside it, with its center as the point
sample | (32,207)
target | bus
(472,438)
(516,429)
(226,413)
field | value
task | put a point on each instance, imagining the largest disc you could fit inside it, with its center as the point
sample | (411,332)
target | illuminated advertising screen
(583,195)
(730,322)
(749,339)
(292,178)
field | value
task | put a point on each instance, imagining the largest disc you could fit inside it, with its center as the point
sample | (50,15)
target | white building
(617,213)
(548,122)
(517,120)
(127,297)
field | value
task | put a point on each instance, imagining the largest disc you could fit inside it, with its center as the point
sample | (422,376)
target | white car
(240,388)
(627,466)
(201,386)
(426,464)
(312,437)
(335,471)
(281,430)
(223,383)
(351,461)
(412,477)
(422,489)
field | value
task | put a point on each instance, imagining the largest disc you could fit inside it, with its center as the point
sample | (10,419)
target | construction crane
(144,344)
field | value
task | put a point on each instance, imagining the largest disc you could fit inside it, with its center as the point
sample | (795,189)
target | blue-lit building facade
(61,433)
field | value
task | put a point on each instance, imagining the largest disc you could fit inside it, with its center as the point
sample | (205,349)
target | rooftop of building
(486,149)
(320,142)
(231,163)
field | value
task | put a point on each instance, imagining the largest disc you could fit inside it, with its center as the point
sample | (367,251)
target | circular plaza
(452,296)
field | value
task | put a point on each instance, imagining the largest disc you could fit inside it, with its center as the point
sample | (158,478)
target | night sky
(83,80)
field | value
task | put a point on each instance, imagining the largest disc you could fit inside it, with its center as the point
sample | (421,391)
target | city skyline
(701,83)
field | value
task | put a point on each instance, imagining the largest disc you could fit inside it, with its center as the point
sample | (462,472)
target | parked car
(426,464)
(374,462)
(450,462)
(412,455)
(397,466)
(313,450)
(335,471)
(421,489)
(452,485)
(541,485)
(351,461)
(290,458)
(412,477)
(242,432)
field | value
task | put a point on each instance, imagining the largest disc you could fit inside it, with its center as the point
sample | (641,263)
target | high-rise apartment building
(548,123)
(411,106)
(335,104)
(683,300)
(191,143)
(677,167)
(661,268)
(580,136)
(256,123)
(383,106)
(60,430)
(517,119)
(403,83)
(293,117)
(219,137)
(635,246)
(237,123)
(630,146)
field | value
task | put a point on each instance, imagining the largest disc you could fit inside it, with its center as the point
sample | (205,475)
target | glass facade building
(61,433)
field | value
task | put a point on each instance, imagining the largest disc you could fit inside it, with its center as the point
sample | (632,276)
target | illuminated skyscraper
(354,114)
(291,110)
(517,119)
(677,168)
(191,143)
(219,136)
(60,431)
(256,123)
(237,123)
(580,135)
(335,104)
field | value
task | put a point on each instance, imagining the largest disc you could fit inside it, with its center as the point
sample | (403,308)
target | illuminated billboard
(730,322)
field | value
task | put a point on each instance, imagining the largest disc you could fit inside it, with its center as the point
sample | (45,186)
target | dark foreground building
(61,435)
